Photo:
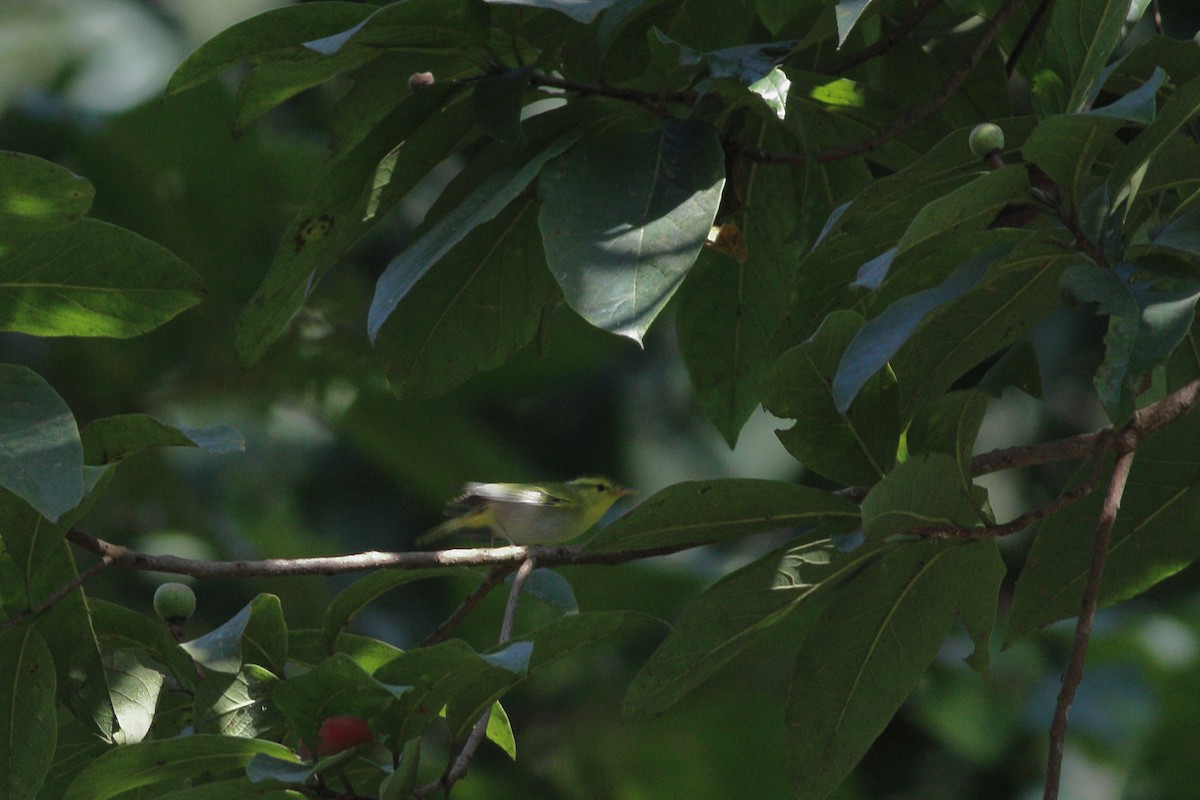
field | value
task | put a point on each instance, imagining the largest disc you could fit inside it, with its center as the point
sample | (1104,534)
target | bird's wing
(510,493)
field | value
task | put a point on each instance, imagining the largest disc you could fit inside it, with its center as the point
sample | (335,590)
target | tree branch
(1010,65)
(1145,421)
(336,565)
(481,591)
(1032,455)
(1083,627)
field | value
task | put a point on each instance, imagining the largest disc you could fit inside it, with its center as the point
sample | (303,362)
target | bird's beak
(626,492)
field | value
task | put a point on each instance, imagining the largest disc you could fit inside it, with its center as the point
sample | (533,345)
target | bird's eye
(599,487)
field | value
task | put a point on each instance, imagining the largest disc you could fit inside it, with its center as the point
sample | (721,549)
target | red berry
(341,733)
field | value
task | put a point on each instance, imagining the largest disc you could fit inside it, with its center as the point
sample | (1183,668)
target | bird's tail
(450,527)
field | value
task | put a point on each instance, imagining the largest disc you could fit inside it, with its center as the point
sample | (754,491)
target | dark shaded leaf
(109,439)
(696,512)
(865,654)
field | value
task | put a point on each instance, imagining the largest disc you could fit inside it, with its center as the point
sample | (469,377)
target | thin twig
(1068,449)
(462,762)
(1100,442)
(889,39)
(39,608)
(905,121)
(1010,66)
(1083,627)
(493,579)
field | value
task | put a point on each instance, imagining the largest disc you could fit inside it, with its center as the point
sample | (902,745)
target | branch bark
(1083,627)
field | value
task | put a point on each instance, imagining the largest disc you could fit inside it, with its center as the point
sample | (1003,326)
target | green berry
(986,139)
(174,602)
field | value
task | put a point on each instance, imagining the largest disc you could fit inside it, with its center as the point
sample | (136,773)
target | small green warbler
(531,513)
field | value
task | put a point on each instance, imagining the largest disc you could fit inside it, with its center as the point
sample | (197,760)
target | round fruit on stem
(174,602)
(986,139)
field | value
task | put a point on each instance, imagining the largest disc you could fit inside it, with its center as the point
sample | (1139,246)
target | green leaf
(257,635)
(497,102)
(220,650)
(773,89)
(429,126)
(736,612)
(120,628)
(399,785)
(874,222)
(134,688)
(265,639)
(37,195)
(480,206)
(848,14)
(1181,233)
(92,279)
(1080,37)
(37,563)
(287,74)
(270,34)
(236,705)
(1015,295)
(499,731)
(1130,165)
(76,747)
(436,674)
(133,766)
(109,439)
(925,491)
(346,606)
(426,26)
(730,306)
(335,687)
(971,207)
(857,448)
(1148,543)
(695,512)
(551,588)
(865,654)
(1148,316)
(1065,147)
(529,653)
(368,653)
(238,787)
(28,730)
(623,217)
(882,337)
(1136,106)
(268,768)
(41,457)
(482,304)
(583,11)
(950,425)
